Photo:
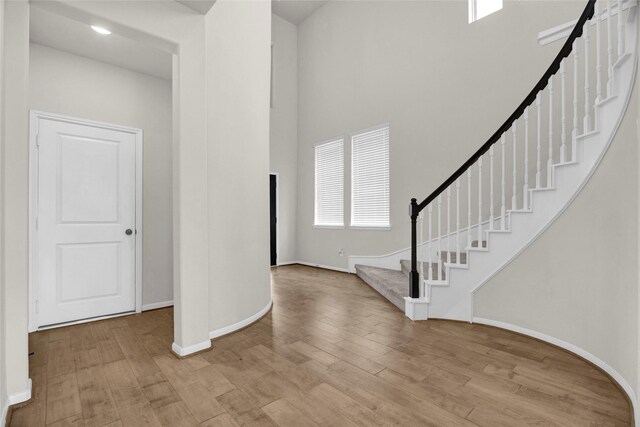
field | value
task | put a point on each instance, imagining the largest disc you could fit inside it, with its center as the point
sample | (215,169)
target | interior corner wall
(442,84)
(238,63)
(586,294)
(14,170)
(71,85)
(283,145)
(3,369)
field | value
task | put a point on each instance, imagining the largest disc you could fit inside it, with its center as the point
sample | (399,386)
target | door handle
(129,232)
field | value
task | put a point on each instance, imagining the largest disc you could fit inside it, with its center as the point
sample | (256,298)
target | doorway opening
(90,180)
(273,217)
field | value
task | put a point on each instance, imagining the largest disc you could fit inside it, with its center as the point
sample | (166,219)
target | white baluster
(491,201)
(563,137)
(609,50)
(550,151)
(514,195)
(449,225)
(440,237)
(539,140)
(503,208)
(587,101)
(480,202)
(469,208)
(574,132)
(429,266)
(525,187)
(620,30)
(598,54)
(458,220)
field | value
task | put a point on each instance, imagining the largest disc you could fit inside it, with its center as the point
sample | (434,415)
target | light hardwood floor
(331,353)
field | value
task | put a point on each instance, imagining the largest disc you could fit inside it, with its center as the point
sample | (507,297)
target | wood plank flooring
(331,353)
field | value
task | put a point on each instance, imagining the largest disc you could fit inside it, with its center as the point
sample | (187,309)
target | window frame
(351,138)
(315,184)
(473,10)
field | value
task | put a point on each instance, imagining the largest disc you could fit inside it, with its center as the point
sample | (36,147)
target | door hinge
(38,140)
(37,306)
(37,222)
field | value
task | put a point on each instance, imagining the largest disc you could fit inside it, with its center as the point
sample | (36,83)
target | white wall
(71,85)
(283,146)
(3,376)
(14,193)
(238,64)
(586,292)
(443,85)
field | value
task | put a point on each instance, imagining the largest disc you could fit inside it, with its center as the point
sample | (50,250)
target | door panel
(86,202)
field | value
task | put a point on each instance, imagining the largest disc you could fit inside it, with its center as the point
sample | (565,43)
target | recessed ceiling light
(101,30)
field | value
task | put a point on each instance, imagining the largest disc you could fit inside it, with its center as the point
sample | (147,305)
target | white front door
(86,216)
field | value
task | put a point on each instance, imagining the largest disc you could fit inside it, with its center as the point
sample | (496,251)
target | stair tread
(391,284)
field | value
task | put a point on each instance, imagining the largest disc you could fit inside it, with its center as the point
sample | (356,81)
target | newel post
(414,276)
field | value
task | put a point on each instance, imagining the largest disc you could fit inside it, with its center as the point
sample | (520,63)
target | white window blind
(370,178)
(329,210)
(481,8)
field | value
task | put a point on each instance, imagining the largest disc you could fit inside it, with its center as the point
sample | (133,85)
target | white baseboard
(243,323)
(326,267)
(22,396)
(280,264)
(14,399)
(185,351)
(573,349)
(156,305)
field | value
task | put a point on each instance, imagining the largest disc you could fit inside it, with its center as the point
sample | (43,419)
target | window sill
(330,227)
(370,228)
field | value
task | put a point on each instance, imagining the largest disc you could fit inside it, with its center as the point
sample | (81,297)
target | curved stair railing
(587,78)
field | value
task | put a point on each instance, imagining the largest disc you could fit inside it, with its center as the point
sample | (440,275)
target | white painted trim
(156,305)
(280,264)
(556,33)
(138,235)
(21,396)
(326,267)
(34,117)
(14,399)
(573,349)
(81,321)
(563,31)
(180,351)
(416,308)
(370,228)
(241,324)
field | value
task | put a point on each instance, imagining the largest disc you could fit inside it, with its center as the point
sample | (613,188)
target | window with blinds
(329,209)
(480,8)
(370,178)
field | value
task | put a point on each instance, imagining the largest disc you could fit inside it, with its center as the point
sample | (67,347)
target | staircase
(521,179)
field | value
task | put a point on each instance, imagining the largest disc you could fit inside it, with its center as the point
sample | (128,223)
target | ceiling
(71,36)
(201,6)
(296,11)
(62,33)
